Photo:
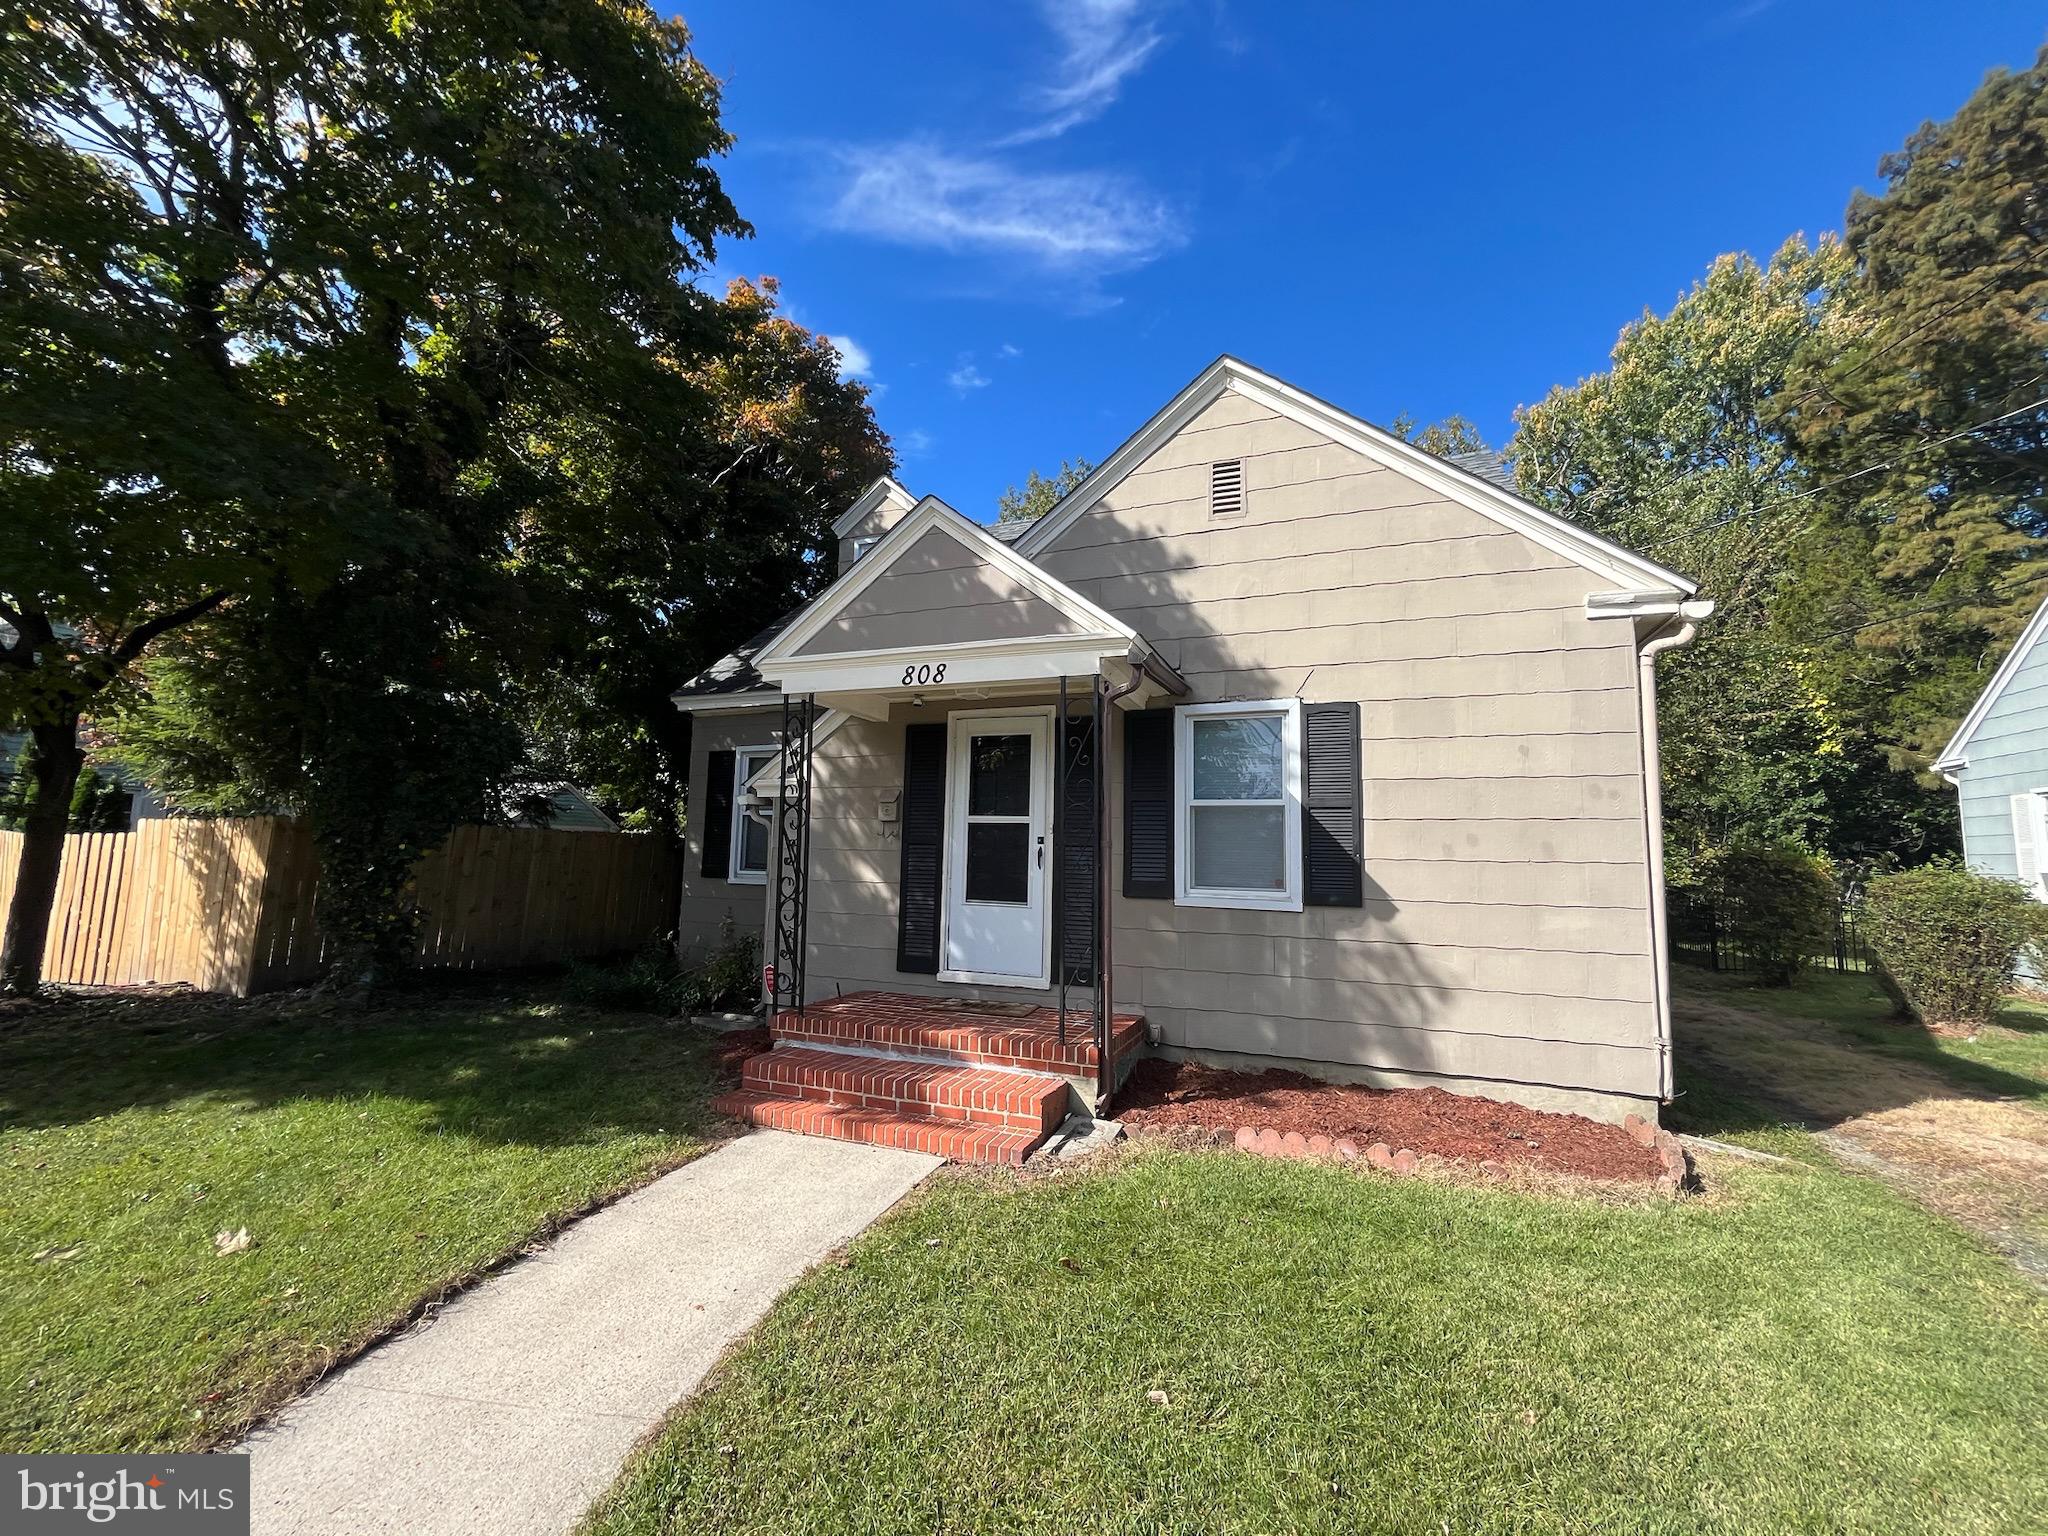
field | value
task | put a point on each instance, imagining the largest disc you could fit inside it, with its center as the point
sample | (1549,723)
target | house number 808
(926,673)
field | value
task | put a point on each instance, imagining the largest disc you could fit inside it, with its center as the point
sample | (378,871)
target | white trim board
(928,514)
(883,490)
(1579,545)
(1952,756)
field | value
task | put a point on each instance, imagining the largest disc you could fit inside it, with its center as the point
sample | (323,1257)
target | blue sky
(1031,222)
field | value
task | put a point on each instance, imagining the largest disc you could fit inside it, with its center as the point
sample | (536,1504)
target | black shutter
(718,816)
(924,841)
(1148,804)
(1332,808)
(1074,876)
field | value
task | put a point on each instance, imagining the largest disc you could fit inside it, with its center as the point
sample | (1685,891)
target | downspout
(1676,631)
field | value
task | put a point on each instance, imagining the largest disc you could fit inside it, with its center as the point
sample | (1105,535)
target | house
(1376,800)
(1998,762)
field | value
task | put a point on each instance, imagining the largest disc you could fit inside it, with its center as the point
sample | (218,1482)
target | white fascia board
(1952,756)
(964,665)
(767,784)
(928,514)
(725,703)
(883,490)
(1578,545)
(1646,605)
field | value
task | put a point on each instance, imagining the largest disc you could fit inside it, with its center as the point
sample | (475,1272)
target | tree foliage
(1921,421)
(1039,493)
(1453,435)
(291,295)
(1677,451)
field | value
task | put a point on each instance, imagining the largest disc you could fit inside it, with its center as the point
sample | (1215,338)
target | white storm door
(998,862)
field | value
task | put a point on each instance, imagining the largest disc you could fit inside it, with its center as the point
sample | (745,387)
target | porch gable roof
(940,588)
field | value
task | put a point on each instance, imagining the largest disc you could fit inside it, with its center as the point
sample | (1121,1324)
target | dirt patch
(1429,1121)
(734,1046)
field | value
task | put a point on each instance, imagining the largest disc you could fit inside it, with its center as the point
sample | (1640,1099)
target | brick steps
(945,1091)
(964,1143)
(899,1022)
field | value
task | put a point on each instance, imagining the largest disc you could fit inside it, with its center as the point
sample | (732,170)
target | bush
(729,980)
(1949,938)
(1776,903)
(651,981)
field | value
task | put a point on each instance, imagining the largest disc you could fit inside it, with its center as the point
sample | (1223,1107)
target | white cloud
(916,443)
(1010,349)
(1103,43)
(967,376)
(854,359)
(914,193)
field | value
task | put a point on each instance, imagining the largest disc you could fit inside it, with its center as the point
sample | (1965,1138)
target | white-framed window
(752,831)
(1237,801)
(2030,841)
(862,545)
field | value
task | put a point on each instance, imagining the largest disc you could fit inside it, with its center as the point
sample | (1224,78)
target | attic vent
(1226,488)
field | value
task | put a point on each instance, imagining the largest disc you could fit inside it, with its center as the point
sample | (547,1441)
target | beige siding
(707,904)
(874,525)
(937,592)
(1505,936)
(856,862)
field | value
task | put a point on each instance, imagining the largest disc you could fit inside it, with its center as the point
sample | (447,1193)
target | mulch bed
(1170,1095)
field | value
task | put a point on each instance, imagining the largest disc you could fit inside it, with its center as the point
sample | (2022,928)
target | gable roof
(1087,619)
(1457,482)
(1952,756)
(885,490)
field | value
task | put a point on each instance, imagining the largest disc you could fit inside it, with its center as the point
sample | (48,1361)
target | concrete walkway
(514,1408)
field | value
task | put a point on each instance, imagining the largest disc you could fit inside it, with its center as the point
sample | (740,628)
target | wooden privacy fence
(232,905)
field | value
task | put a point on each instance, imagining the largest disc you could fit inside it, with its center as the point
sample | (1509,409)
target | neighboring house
(1998,762)
(1379,800)
(558,807)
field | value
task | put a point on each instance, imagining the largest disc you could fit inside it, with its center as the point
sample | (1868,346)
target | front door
(998,867)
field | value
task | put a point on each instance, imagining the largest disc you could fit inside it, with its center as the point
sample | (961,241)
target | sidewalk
(515,1407)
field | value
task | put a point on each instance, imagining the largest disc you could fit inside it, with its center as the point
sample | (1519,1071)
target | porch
(972,1081)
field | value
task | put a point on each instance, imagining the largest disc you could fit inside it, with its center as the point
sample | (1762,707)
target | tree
(1676,451)
(1039,492)
(1453,435)
(289,291)
(660,567)
(1922,422)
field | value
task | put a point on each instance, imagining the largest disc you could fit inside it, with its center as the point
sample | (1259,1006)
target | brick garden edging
(1674,1169)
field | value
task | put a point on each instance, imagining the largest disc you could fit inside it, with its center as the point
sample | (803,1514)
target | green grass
(2017,1043)
(375,1160)
(1345,1353)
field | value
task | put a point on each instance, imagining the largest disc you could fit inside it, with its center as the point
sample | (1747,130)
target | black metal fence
(1700,936)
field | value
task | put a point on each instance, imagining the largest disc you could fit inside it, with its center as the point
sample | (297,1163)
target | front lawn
(374,1160)
(1337,1352)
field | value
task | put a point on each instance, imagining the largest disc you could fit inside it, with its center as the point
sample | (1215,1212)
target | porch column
(792,861)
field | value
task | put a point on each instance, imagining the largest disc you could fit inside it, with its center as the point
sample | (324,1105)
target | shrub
(1950,938)
(1776,903)
(650,981)
(730,977)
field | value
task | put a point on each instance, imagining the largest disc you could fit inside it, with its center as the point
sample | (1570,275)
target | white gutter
(1677,631)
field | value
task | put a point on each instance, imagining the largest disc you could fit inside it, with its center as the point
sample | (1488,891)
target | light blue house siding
(1998,761)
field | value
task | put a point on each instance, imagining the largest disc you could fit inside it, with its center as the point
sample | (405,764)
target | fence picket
(232,905)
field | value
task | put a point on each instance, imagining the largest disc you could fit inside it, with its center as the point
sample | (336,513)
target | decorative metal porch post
(793,854)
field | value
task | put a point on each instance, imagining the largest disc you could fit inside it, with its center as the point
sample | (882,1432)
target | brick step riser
(962,1144)
(911,1106)
(950,1044)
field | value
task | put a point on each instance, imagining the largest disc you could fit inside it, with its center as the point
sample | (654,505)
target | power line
(1857,474)
(1601,494)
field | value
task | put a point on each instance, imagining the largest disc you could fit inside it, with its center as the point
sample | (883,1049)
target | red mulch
(1162,1094)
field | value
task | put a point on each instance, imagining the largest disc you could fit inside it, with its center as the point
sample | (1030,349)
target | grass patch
(1803,1351)
(375,1160)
